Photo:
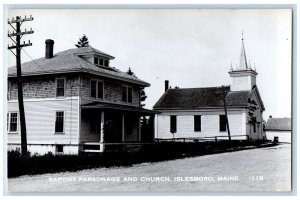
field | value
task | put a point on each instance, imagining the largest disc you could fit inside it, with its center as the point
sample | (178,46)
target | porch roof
(110,106)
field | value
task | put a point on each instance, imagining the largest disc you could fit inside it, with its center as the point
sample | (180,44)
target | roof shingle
(193,98)
(278,124)
(70,61)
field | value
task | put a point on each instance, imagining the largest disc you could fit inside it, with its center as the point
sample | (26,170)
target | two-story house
(69,97)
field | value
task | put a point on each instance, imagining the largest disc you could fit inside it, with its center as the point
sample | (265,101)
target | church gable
(255,96)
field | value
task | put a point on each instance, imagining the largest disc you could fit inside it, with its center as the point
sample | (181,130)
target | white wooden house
(69,97)
(199,112)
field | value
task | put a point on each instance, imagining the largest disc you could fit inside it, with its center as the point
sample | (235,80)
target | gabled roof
(70,61)
(278,124)
(197,98)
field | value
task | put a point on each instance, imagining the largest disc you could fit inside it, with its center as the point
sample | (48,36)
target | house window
(222,122)
(97,89)
(197,123)
(93,88)
(96,61)
(12,122)
(173,124)
(124,94)
(129,95)
(254,128)
(60,87)
(106,63)
(101,62)
(59,122)
(100,90)
(59,148)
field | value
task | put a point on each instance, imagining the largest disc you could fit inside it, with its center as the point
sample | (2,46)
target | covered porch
(110,127)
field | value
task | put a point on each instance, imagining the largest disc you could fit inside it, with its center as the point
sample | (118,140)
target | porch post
(139,128)
(102,131)
(155,127)
(123,127)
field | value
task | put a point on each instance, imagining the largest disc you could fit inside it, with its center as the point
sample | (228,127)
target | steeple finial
(242,34)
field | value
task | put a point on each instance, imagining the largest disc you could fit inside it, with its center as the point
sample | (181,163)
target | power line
(52,34)
(32,59)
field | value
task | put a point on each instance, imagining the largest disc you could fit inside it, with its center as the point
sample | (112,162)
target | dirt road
(264,169)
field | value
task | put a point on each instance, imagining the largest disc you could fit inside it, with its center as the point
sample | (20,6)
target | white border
(158,2)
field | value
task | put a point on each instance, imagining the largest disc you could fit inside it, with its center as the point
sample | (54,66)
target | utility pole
(18,34)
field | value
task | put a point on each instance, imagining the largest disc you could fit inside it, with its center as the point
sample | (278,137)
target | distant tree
(176,87)
(143,97)
(83,42)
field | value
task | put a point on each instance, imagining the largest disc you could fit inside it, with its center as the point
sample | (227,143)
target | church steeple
(243,58)
(243,77)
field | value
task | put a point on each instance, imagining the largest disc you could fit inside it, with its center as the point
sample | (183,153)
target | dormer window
(96,61)
(101,62)
(106,63)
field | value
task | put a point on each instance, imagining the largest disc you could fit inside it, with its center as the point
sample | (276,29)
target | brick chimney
(166,85)
(49,48)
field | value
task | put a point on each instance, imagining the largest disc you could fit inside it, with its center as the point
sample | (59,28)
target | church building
(209,112)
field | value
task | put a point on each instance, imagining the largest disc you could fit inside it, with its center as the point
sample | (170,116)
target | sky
(189,47)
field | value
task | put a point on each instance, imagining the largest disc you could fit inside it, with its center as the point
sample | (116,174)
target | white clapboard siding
(209,125)
(235,124)
(40,121)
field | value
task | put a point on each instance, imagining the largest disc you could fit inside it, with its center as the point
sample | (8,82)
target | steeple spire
(243,59)
(243,77)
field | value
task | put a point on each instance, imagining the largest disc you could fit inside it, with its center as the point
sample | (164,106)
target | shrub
(49,163)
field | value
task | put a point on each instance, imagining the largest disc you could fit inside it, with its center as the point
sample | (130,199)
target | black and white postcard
(149,100)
